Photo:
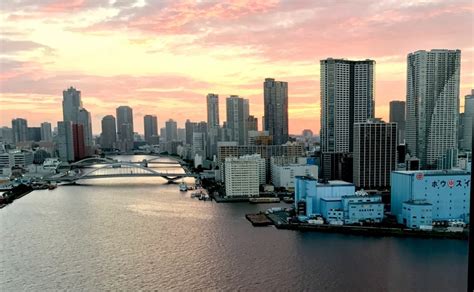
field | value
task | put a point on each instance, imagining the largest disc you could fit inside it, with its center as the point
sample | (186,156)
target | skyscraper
(468,121)
(189,128)
(65,141)
(252,124)
(125,128)
(46,134)
(375,153)
(347,97)
(397,115)
(171,130)
(150,128)
(20,130)
(275,97)
(108,138)
(212,110)
(432,104)
(237,116)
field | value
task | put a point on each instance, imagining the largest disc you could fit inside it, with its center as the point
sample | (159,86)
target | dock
(259,219)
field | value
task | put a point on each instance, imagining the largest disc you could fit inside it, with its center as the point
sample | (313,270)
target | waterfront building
(125,128)
(397,115)
(34,134)
(347,97)
(446,190)
(311,191)
(150,123)
(171,130)
(212,110)
(275,98)
(20,158)
(65,141)
(46,133)
(362,207)
(242,176)
(433,79)
(108,138)
(417,213)
(375,153)
(20,130)
(237,117)
(285,169)
(468,122)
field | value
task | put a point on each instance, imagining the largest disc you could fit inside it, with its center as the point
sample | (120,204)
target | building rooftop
(334,183)
(433,172)
(417,203)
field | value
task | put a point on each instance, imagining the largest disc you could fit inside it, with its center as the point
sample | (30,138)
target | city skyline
(203,35)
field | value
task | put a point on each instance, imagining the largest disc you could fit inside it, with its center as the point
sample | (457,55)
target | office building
(397,115)
(79,146)
(189,128)
(285,169)
(275,98)
(446,190)
(125,128)
(65,141)
(375,154)
(108,137)
(252,123)
(432,104)
(150,123)
(46,133)
(6,135)
(468,121)
(171,130)
(259,138)
(242,176)
(19,158)
(34,134)
(213,110)
(237,117)
(20,130)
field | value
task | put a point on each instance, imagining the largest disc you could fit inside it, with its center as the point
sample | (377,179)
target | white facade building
(284,171)
(243,175)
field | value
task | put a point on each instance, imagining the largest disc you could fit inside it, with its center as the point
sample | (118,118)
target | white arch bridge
(121,169)
(91,161)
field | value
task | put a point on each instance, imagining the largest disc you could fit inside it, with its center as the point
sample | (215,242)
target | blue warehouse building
(445,192)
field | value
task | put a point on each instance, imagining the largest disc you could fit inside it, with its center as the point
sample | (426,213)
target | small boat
(183,187)
(197,194)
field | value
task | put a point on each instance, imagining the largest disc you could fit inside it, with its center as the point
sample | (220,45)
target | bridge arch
(117,165)
(91,160)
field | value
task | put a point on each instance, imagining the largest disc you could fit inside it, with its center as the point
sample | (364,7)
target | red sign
(450,183)
(419,176)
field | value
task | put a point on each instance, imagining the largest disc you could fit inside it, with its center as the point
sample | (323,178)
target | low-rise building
(19,158)
(446,190)
(284,171)
(362,207)
(416,214)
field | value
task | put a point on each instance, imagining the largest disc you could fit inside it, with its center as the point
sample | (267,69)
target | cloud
(8,46)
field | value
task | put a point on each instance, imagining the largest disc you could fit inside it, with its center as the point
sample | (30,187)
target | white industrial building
(285,169)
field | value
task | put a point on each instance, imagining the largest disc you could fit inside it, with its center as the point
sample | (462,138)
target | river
(144,234)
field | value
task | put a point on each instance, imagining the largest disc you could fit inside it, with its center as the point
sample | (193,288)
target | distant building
(20,130)
(181,135)
(150,123)
(6,135)
(237,117)
(468,121)
(171,130)
(446,190)
(189,129)
(46,133)
(307,133)
(375,154)
(108,138)
(275,98)
(397,115)
(213,110)
(14,158)
(242,176)
(34,134)
(125,128)
(252,123)
(74,112)
(284,171)
(78,141)
(65,141)
(433,79)
(259,138)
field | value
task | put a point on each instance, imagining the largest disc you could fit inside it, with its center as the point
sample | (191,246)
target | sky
(162,57)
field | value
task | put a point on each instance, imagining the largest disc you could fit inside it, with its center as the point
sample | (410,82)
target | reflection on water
(144,234)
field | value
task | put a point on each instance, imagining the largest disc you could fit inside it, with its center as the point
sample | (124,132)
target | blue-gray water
(142,234)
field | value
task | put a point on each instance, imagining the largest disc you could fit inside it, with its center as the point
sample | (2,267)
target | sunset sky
(163,57)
